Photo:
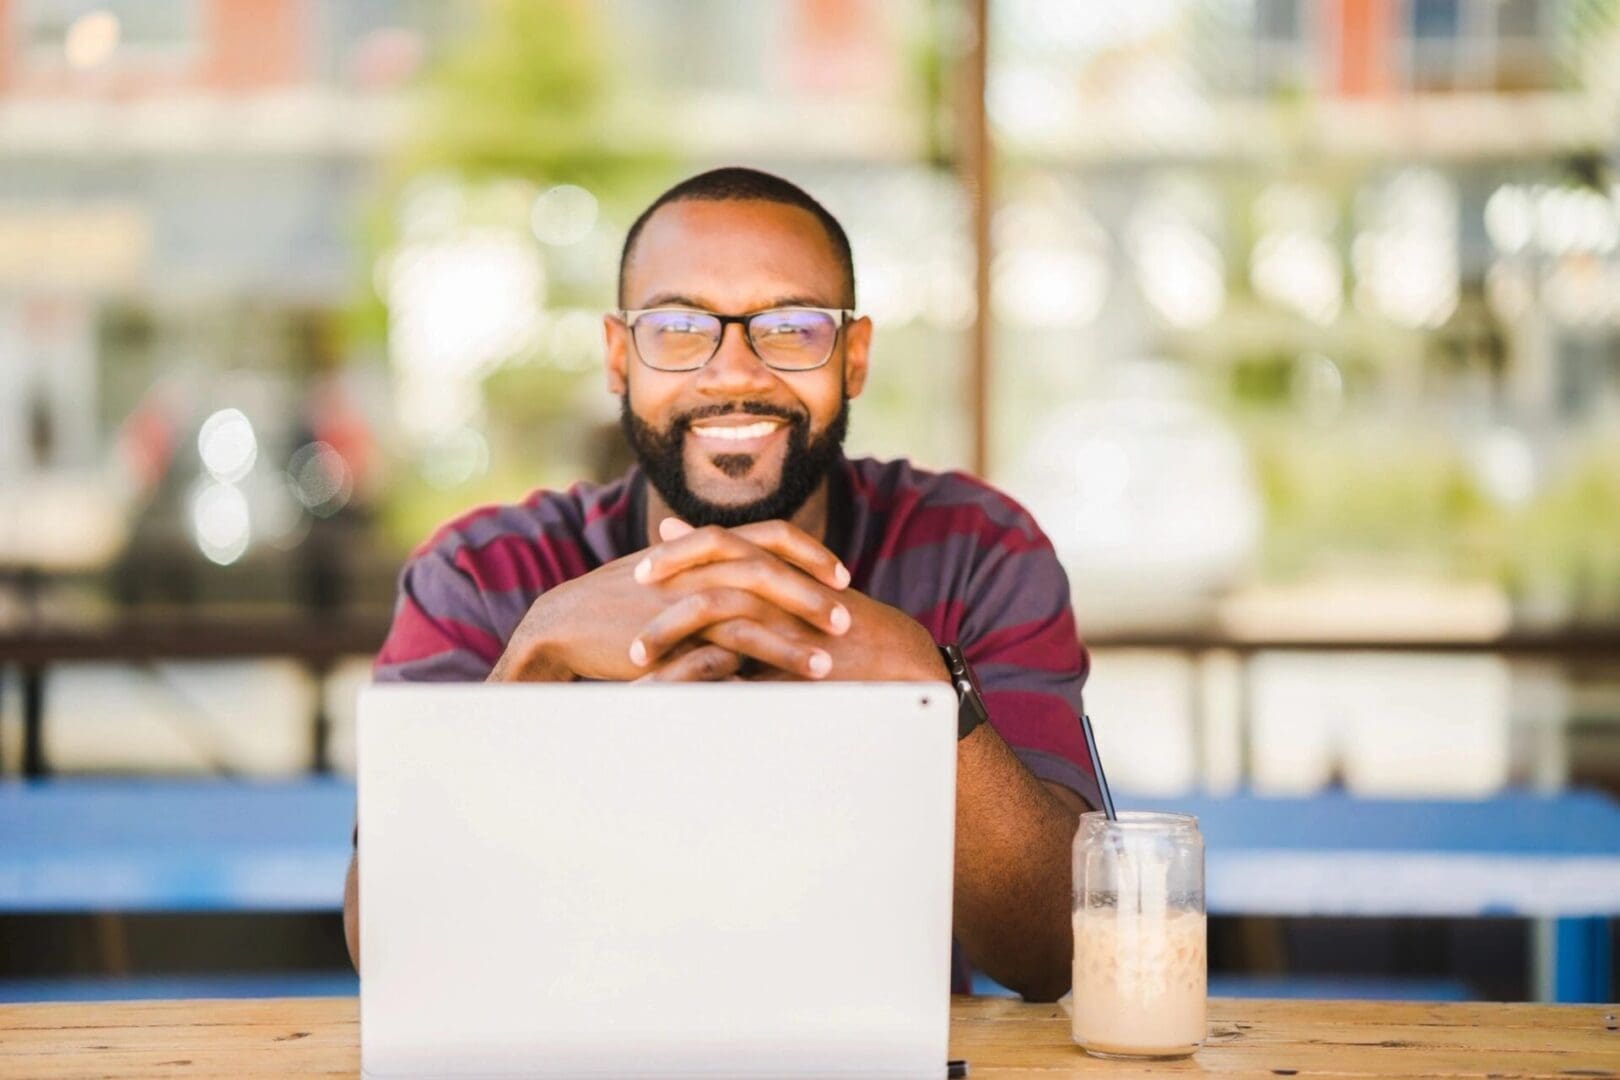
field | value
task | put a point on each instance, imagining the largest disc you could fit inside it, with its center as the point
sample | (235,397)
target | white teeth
(751,431)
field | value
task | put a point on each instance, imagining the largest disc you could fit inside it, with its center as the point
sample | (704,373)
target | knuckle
(806,603)
(745,604)
(754,573)
(711,663)
(730,633)
(702,605)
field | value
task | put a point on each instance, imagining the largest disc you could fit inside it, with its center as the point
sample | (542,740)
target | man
(745,545)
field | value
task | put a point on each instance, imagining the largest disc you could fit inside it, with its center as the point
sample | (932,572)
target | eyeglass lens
(788,339)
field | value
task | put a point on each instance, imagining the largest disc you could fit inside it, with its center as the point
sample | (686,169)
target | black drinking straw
(1096,767)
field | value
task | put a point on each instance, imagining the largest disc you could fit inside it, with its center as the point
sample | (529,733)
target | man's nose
(734,368)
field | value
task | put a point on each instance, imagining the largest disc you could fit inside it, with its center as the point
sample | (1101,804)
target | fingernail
(638,653)
(643,570)
(840,618)
(841,575)
(820,664)
(671,527)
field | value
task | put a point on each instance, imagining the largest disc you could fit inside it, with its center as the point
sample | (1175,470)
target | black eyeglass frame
(629,316)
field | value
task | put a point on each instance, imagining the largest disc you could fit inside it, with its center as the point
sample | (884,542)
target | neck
(811,517)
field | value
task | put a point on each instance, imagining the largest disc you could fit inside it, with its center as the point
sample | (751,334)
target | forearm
(351,910)
(1013,889)
(524,664)
(532,654)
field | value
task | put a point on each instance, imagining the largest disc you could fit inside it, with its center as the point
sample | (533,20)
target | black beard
(804,465)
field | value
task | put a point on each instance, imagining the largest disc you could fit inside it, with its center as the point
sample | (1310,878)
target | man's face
(735,257)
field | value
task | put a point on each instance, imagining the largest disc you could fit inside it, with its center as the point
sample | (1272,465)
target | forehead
(734,255)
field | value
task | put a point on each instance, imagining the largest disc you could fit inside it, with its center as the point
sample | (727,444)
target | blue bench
(1554,859)
(174,845)
(171,987)
(84,845)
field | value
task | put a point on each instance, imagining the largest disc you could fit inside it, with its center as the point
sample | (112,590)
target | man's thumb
(671,527)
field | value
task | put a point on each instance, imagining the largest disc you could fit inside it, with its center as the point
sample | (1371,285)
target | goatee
(804,465)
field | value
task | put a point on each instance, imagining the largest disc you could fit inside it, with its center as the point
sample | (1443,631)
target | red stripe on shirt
(1050,644)
(943,620)
(1038,721)
(516,562)
(928,525)
(416,636)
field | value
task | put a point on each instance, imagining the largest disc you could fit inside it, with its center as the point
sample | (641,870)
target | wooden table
(320,1037)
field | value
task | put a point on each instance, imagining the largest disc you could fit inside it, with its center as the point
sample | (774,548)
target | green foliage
(1375,497)
(928,67)
(1564,541)
(526,93)
(523,99)
(1356,496)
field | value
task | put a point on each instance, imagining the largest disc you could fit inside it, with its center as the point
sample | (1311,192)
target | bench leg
(33,710)
(112,945)
(1573,961)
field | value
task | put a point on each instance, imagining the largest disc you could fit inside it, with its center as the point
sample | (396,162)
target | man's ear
(857,353)
(616,354)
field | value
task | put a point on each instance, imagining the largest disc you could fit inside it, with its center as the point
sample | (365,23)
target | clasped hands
(759,601)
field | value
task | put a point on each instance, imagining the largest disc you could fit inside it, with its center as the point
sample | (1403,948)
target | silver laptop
(592,880)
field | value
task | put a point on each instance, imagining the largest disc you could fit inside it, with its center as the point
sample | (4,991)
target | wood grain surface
(320,1037)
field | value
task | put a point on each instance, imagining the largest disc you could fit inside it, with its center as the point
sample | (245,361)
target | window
(125,33)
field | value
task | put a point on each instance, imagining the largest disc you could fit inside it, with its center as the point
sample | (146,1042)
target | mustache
(752,408)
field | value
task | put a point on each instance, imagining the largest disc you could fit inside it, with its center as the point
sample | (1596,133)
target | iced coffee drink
(1139,936)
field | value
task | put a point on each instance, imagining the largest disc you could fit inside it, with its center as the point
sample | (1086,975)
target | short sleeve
(1018,631)
(441,631)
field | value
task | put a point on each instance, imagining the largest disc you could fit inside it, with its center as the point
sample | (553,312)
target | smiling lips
(735,435)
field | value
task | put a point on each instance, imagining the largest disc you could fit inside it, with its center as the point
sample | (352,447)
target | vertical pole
(33,710)
(1571,960)
(975,164)
(320,735)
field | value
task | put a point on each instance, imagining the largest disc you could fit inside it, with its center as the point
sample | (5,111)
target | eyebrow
(666,299)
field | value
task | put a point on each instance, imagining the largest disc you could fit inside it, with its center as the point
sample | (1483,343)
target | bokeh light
(1179,269)
(458,308)
(220,522)
(456,459)
(1295,263)
(320,478)
(92,39)
(1053,267)
(1510,218)
(1405,257)
(1505,463)
(574,339)
(563,215)
(227,445)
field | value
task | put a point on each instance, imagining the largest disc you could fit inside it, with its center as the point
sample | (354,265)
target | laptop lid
(588,880)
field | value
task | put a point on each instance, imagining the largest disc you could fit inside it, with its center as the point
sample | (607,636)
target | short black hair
(737,183)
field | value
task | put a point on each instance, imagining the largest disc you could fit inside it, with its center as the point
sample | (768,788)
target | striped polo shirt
(958,556)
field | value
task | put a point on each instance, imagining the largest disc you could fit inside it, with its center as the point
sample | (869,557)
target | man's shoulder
(580,516)
(908,496)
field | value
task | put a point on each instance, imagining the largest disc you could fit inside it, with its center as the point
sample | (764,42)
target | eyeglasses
(785,338)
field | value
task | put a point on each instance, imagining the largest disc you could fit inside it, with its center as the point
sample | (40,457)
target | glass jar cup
(1140,968)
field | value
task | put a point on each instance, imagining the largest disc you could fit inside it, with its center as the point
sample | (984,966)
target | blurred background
(1296,323)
